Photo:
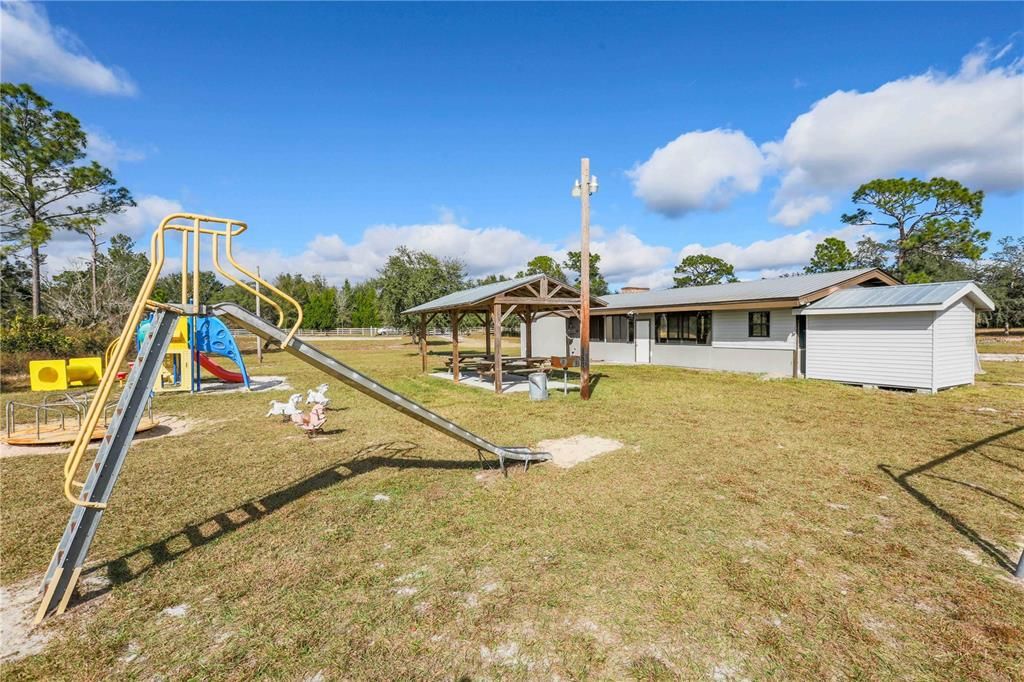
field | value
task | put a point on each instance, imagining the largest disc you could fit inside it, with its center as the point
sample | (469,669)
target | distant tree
(930,217)
(363,305)
(831,255)
(410,278)
(1003,279)
(118,274)
(342,303)
(871,254)
(321,310)
(543,265)
(15,287)
(573,263)
(168,288)
(43,188)
(703,269)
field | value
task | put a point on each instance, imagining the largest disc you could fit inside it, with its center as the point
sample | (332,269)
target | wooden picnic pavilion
(528,298)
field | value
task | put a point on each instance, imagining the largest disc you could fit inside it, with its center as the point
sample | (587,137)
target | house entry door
(643,341)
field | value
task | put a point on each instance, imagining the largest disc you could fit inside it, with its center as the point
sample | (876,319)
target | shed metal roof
(931,296)
(764,289)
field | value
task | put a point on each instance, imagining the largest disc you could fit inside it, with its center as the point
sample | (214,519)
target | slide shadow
(394,454)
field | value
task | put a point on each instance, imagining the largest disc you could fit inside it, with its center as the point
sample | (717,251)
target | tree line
(929,235)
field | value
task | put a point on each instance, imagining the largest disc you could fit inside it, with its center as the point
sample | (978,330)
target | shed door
(643,341)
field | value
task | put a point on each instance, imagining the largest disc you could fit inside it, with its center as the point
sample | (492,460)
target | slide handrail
(117,351)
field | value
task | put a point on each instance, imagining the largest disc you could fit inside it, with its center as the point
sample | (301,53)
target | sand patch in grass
(568,452)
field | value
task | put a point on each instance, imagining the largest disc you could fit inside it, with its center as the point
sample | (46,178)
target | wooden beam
(455,317)
(423,342)
(535,300)
(529,334)
(497,318)
(497,306)
(544,288)
(487,333)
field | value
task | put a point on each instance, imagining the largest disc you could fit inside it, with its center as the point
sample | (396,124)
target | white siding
(884,349)
(954,345)
(729,329)
(548,337)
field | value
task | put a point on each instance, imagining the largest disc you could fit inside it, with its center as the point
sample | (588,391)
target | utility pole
(259,341)
(585,186)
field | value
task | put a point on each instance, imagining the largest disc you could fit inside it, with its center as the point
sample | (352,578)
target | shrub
(39,334)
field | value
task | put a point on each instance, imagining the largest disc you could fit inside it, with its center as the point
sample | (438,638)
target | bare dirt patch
(169,425)
(18,604)
(568,452)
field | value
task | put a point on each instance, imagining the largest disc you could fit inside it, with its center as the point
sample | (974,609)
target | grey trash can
(538,386)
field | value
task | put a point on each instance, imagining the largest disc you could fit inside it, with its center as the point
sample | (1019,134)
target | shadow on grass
(394,454)
(902,480)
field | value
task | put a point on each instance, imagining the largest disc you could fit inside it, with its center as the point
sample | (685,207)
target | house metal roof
(931,296)
(475,295)
(764,289)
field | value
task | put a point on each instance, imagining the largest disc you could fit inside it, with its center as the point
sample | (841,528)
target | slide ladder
(364,384)
(69,558)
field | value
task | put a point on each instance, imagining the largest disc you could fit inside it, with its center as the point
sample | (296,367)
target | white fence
(363,332)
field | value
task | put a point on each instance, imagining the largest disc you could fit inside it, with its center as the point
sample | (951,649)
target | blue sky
(339,131)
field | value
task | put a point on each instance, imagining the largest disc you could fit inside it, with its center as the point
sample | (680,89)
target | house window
(684,328)
(622,329)
(597,328)
(759,325)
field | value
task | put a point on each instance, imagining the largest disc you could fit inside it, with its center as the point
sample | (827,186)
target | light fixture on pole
(590,183)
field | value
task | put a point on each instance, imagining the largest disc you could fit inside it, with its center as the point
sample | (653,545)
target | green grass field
(748,529)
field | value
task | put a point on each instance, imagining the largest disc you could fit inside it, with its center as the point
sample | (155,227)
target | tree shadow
(986,546)
(394,454)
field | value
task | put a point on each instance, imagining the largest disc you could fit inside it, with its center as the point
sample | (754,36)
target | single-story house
(854,326)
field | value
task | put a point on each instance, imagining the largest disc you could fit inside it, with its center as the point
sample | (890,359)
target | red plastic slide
(218,371)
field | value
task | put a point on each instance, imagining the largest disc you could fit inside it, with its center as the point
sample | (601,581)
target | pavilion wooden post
(528,320)
(487,333)
(585,279)
(455,346)
(496,317)
(423,341)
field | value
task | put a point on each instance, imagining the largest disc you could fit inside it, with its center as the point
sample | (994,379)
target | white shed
(917,336)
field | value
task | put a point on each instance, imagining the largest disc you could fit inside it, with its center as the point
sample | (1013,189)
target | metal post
(259,341)
(585,278)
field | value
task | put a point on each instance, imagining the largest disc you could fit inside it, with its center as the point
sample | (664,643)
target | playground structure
(60,375)
(193,341)
(93,494)
(51,421)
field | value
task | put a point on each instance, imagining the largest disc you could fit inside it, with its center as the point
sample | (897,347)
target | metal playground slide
(94,492)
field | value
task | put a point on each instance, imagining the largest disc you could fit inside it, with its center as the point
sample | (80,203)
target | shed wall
(884,349)
(954,345)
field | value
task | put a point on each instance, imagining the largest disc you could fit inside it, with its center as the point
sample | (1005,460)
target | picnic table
(484,364)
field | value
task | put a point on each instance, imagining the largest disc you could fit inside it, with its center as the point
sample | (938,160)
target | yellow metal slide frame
(190,225)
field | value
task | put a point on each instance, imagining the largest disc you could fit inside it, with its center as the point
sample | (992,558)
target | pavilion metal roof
(476,295)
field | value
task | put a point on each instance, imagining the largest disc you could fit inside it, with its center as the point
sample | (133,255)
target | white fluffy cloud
(34,49)
(968,126)
(779,254)
(484,250)
(137,221)
(107,152)
(699,170)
